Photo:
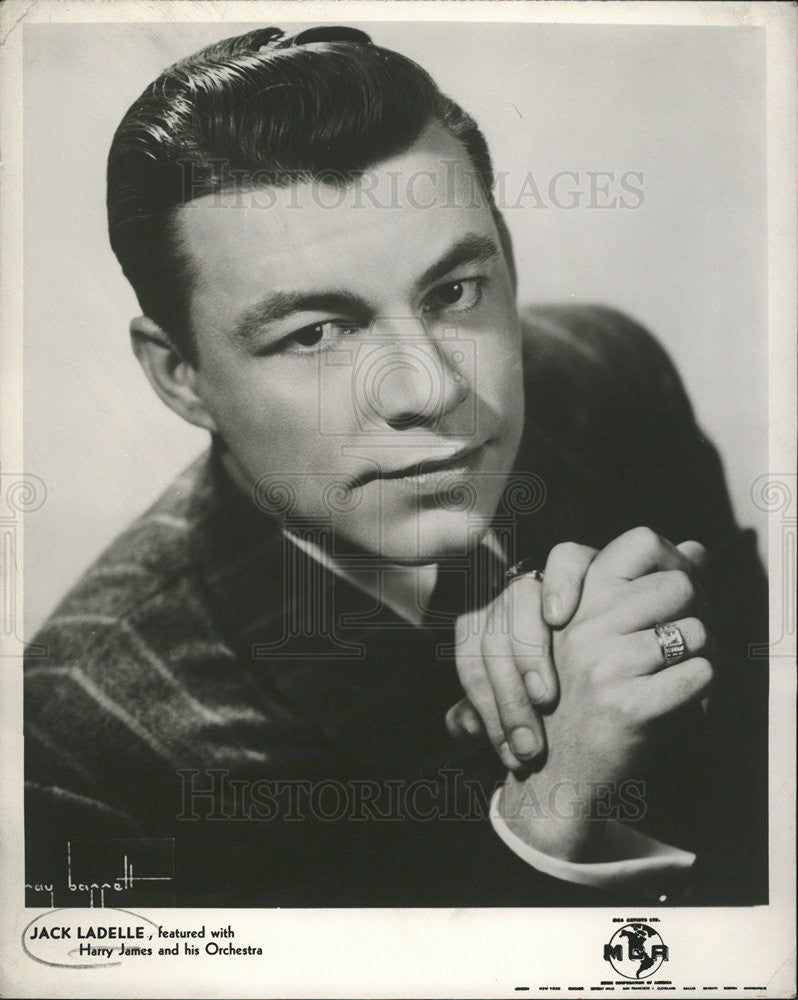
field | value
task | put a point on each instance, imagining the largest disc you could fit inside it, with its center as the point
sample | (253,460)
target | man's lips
(423,467)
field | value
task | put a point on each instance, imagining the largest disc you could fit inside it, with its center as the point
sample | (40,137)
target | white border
(436,953)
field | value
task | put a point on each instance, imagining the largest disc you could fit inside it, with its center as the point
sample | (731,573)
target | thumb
(566,569)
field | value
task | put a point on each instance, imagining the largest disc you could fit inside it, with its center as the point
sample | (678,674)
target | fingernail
(472,725)
(524,742)
(552,606)
(535,687)
(510,761)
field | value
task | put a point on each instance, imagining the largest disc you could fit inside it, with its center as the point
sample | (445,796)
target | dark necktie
(465,583)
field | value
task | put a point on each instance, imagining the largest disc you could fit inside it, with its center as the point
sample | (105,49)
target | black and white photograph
(399,499)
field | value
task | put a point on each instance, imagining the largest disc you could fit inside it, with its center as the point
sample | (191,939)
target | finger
(463,722)
(471,721)
(519,721)
(474,679)
(695,553)
(640,653)
(651,600)
(641,551)
(566,567)
(482,698)
(684,684)
(530,639)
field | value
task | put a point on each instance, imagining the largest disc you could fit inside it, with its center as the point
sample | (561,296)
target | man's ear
(172,377)
(507,245)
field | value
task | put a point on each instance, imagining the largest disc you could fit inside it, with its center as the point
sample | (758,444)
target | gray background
(683,106)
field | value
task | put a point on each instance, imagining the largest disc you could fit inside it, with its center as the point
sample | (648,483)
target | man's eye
(318,333)
(454,296)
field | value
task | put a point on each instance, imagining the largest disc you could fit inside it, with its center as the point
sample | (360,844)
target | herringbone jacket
(209,691)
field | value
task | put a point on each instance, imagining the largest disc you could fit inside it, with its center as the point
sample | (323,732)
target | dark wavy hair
(324,103)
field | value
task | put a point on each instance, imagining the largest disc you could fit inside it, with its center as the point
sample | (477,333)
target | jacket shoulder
(604,358)
(148,559)
(597,380)
(610,430)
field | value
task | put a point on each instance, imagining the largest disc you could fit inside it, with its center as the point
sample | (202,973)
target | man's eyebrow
(472,248)
(469,249)
(278,305)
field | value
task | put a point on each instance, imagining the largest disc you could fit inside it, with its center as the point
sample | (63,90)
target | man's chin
(430,539)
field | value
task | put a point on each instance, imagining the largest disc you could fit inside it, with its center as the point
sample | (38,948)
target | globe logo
(635,951)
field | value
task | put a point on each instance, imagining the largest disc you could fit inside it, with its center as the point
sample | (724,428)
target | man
(259,669)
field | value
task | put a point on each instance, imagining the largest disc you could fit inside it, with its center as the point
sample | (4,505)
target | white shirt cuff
(645,863)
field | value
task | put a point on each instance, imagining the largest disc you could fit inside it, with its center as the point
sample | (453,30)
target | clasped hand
(567,676)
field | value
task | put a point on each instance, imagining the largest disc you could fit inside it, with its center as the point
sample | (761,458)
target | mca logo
(636,951)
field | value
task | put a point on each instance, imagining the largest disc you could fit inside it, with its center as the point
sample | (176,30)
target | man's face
(359,350)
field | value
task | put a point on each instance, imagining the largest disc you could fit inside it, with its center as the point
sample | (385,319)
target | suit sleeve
(612,435)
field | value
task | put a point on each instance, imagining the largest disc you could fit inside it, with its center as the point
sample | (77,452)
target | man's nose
(406,378)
